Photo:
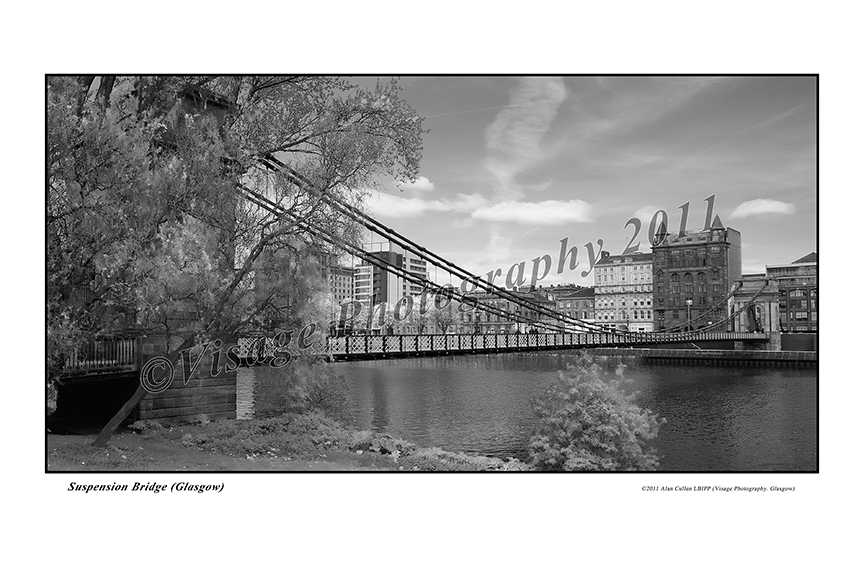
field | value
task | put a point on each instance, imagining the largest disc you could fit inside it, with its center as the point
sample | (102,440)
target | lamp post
(689,303)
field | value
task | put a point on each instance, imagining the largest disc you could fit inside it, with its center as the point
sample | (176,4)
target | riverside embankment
(714,357)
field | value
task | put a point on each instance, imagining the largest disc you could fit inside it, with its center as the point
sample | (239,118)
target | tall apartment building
(388,287)
(797,285)
(623,292)
(693,273)
(363,284)
(373,285)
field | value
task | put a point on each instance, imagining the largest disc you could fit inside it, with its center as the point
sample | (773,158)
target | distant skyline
(512,165)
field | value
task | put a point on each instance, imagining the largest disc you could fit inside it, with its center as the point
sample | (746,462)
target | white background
(354,523)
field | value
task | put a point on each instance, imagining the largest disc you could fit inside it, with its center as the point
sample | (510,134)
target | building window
(675,315)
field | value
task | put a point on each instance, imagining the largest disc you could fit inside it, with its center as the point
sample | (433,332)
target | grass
(295,442)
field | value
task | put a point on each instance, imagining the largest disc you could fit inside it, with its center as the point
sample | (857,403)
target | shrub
(588,423)
(301,387)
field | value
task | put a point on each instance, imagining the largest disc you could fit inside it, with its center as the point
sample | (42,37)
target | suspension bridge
(551,329)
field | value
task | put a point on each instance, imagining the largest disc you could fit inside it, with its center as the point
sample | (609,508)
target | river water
(729,418)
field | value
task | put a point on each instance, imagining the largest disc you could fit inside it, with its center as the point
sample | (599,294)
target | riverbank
(292,443)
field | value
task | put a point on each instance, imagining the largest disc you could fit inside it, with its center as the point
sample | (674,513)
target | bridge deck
(119,356)
(399,345)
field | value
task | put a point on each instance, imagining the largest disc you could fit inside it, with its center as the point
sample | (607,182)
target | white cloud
(515,138)
(762,206)
(546,212)
(400,207)
(422,184)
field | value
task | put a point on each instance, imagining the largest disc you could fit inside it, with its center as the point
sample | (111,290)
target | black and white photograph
(431,288)
(432,273)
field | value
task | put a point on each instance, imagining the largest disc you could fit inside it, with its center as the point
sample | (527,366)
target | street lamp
(689,303)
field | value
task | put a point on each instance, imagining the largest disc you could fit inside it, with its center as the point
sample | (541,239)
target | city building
(388,287)
(373,285)
(554,292)
(339,278)
(578,304)
(363,284)
(694,273)
(623,291)
(479,321)
(797,285)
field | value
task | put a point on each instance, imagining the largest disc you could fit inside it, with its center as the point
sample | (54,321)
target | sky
(512,165)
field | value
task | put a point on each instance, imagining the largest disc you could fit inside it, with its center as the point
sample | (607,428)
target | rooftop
(583,293)
(809,258)
(634,257)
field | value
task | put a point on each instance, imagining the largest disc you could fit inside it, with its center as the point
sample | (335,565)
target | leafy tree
(444,318)
(145,228)
(586,422)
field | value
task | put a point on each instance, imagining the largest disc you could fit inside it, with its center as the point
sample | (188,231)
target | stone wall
(204,396)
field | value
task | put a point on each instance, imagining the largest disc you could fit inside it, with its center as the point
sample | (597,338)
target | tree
(588,423)
(443,318)
(145,227)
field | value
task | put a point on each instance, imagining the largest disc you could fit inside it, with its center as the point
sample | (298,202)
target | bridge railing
(103,355)
(122,353)
(395,344)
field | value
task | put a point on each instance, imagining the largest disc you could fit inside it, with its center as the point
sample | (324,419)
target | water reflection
(717,418)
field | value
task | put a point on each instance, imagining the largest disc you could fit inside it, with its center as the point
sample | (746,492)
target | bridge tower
(760,315)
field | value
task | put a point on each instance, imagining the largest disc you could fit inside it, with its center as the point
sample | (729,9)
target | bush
(588,423)
(301,387)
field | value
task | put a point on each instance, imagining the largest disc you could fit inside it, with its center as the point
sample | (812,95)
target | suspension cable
(373,225)
(269,205)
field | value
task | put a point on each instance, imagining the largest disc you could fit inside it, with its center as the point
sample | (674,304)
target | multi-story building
(373,285)
(554,292)
(578,304)
(797,284)
(363,284)
(388,287)
(479,321)
(623,291)
(339,278)
(692,274)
